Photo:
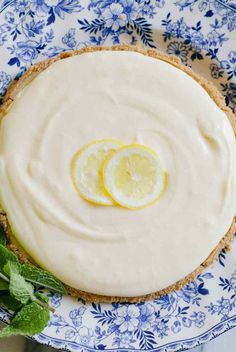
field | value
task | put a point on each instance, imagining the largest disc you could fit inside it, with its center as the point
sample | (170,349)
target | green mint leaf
(42,278)
(10,302)
(3,239)
(4,286)
(41,297)
(10,267)
(30,320)
(18,287)
(5,256)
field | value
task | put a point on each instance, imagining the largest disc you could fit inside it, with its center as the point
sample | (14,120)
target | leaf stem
(42,304)
(4,277)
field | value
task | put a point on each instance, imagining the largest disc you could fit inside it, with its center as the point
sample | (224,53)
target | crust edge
(33,71)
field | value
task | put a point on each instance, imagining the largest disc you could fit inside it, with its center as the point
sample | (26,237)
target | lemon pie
(117,171)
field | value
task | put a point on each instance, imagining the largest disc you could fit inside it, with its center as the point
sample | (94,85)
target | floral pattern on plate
(202,33)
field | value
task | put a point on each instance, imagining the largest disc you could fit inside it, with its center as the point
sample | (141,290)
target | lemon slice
(133,176)
(86,170)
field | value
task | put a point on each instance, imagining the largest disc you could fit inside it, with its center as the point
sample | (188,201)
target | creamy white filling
(135,98)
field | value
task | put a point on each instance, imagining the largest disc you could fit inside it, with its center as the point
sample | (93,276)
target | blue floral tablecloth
(202,33)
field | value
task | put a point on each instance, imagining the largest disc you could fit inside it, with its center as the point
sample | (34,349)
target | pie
(107,253)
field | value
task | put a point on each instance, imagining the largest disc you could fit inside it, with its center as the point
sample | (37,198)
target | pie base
(225,242)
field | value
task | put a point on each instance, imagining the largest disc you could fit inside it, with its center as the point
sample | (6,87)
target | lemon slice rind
(111,163)
(86,184)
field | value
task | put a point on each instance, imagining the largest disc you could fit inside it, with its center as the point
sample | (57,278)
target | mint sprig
(42,278)
(5,256)
(30,320)
(19,289)
(18,293)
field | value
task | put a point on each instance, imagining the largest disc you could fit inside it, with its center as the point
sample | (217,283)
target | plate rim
(225,325)
(61,344)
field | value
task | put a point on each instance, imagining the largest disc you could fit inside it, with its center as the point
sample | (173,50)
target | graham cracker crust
(33,71)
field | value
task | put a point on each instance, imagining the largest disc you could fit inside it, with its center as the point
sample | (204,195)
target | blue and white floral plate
(203,34)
